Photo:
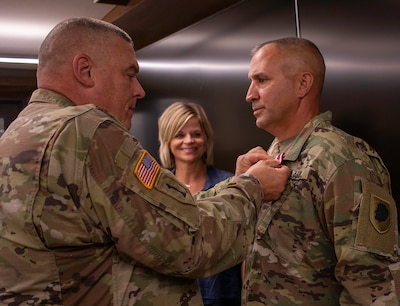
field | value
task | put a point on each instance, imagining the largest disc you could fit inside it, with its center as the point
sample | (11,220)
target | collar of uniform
(48,96)
(292,147)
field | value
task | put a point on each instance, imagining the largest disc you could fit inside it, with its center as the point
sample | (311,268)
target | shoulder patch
(380,214)
(377,222)
(146,170)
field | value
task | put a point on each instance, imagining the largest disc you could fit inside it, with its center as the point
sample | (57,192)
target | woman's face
(189,144)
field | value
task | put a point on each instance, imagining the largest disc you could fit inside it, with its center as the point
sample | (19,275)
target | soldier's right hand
(273,178)
(245,161)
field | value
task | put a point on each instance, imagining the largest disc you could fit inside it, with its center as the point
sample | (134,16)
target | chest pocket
(294,186)
(288,225)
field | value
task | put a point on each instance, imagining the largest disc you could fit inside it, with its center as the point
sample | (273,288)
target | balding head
(76,35)
(286,80)
(299,55)
(90,61)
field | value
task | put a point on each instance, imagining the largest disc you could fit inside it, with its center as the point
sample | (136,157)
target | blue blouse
(227,285)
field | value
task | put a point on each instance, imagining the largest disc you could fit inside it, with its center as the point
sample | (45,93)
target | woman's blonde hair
(171,122)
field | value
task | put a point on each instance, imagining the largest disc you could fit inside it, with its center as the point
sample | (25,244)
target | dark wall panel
(208,62)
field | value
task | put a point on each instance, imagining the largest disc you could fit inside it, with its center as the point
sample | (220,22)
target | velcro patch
(146,170)
(376,228)
(379,214)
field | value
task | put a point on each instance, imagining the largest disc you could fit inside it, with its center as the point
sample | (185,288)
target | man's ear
(305,82)
(82,65)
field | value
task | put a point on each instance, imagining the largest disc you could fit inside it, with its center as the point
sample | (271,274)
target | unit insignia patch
(380,214)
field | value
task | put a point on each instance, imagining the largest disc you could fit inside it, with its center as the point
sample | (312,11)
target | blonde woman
(186,148)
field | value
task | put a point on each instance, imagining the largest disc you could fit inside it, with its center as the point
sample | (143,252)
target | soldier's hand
(245,161)
(272,178)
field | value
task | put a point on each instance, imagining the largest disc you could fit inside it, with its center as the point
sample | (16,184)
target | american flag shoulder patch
(146,170)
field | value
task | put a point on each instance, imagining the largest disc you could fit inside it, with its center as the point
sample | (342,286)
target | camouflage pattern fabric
(332,237)
(88,217)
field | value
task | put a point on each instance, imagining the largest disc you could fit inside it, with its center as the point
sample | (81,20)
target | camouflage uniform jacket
(332,237)
(88,217)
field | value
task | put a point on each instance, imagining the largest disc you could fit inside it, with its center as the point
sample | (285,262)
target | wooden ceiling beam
(147,21)
(120,10)
(152,20)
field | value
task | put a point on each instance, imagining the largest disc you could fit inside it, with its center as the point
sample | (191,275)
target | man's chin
(127,124)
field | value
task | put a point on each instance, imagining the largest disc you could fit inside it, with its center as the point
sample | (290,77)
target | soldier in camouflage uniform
(87,216)
(332,237)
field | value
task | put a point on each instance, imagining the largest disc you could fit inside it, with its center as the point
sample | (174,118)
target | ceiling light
(15,60)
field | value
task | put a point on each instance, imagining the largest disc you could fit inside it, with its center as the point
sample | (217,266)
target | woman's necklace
(188,185)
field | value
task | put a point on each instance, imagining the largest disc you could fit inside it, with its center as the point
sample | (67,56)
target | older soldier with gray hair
(87,216)
(332,237)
